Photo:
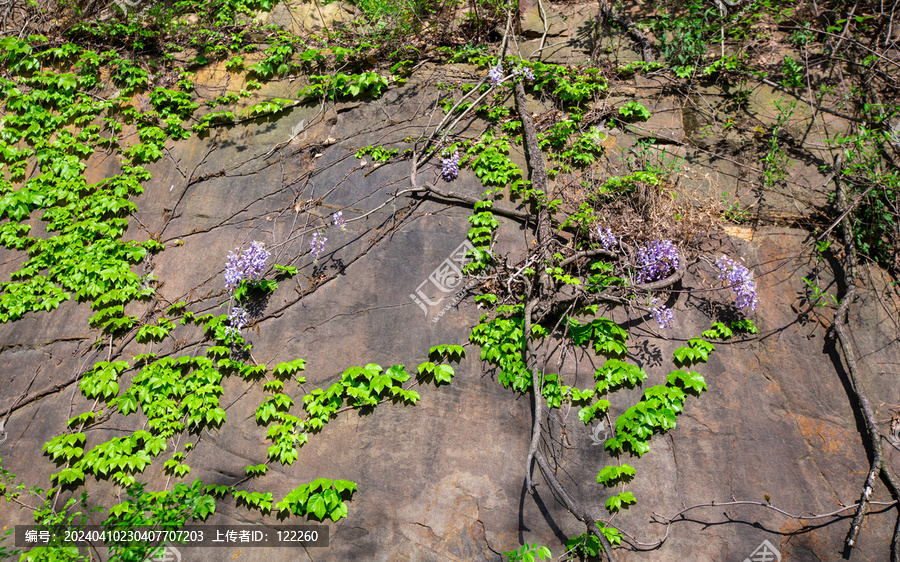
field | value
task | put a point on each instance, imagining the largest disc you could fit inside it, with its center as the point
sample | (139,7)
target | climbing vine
(601,245)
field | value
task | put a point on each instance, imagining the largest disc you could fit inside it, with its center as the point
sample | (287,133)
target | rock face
(444,479)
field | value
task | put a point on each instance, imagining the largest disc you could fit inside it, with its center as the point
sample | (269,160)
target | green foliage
(634,111)
(491,163)
(682,38)
(318,499)
(776,161)
(618,185)
(656,411)
(728,64)
(157,333)
(50,117)
(718,331)
(101,380)
(874,218)
(378,153)
(440,373)
(581,152)
(54,121)
(793,74)
(265,108)
(617,502)
(635,67)
(744,326)
(359,387)
(173,108)
(289,368)
(502,342)
(587,545)
(481,235)
(83,253)
(468,53)
(235,64)
(607,337)
(696,351)
(692,382)
(558,134)
(168,509)
(529,553)
(129,76)
(285,272)
(612,475)
(211,119)
(255,500)
(569,85)
(45,517)
(225,12)
(5,551)
(683,71)
(802,37)
(277,60)
(447,352)
(616,374)
(342,86)
(390,19)
(816,296)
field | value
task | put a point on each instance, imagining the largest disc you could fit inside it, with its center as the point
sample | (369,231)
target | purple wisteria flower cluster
(607,239)
(495,75)
(665,317)
(450,166)
(340,221)
(657,260)
(317,245)
(741,281)
(237,318)
(247,265)
(524,71)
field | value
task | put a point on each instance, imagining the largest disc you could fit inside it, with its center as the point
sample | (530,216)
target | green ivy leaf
(345,485)
(443,374)
(610,475)
(316,506)
(338,512)
(615,503)
(692,382)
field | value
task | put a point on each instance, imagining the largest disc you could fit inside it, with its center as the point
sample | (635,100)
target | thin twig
(672,519)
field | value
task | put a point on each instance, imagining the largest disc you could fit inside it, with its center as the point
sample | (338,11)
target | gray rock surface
(444,479)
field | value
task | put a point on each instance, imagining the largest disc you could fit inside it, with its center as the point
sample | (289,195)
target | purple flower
(657,260)
(524,71)
(740,279)
(607,238)
(248,265)
(339,221)
(234,271)
(256,256)
(495,75)
(317,245)
(665,317)
(236,320)
(451,167)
